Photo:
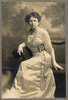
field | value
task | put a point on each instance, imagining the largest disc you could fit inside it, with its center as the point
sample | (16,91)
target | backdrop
(14,31)
(14,27)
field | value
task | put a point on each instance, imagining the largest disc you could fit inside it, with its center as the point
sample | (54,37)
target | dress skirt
(35,78)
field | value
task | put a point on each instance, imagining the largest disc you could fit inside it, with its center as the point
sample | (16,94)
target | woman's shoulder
(43,31)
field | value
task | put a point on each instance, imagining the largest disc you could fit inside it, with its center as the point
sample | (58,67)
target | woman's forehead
(33,18)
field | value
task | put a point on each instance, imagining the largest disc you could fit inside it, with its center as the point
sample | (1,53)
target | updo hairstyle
(32,14)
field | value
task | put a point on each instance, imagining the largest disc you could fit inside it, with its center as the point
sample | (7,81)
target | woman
(35,78)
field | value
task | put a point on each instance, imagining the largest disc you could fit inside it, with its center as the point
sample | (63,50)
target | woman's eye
(34,20)
(30,21)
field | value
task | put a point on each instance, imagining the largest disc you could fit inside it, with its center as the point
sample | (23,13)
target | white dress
(35,78)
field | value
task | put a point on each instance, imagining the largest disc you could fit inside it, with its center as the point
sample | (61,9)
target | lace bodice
(42,36)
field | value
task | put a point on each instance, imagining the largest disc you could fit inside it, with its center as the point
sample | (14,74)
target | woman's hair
(32,14)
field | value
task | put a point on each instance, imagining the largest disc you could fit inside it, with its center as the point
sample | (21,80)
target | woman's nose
(32,22)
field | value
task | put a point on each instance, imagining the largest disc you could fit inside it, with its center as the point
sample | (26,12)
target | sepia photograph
(33,50)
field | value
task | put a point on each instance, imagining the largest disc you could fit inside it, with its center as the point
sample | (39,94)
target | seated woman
(35,78)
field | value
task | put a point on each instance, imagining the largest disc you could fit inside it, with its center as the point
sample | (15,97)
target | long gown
(35,78)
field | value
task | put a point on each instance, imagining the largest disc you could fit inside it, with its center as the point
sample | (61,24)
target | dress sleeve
(46,41)
(27,37)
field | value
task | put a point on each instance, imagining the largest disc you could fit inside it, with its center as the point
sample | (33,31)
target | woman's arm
(20,47)
(54,63)
(50,49)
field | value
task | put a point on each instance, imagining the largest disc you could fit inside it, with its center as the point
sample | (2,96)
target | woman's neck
(35,29)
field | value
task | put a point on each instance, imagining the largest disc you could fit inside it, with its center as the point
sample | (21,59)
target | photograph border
(66,41)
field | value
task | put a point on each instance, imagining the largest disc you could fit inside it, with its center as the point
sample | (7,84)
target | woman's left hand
(56,65)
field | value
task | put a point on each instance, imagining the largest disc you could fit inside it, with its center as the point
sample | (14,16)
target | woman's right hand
(20,49)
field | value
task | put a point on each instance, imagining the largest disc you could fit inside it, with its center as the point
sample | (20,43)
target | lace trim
(44,36)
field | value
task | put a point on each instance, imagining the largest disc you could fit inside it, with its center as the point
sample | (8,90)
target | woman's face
(33,22)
